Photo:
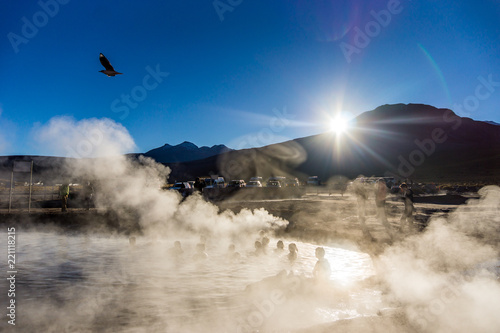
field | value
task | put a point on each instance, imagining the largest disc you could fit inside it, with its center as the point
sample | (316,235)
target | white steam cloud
(130,191)
(133,188)
(86,138)
(447,277)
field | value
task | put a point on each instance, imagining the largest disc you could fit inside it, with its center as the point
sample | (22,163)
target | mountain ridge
(184,152)
(408,141)
(414,141)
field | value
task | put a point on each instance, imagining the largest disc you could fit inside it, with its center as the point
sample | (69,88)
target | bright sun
(338,125)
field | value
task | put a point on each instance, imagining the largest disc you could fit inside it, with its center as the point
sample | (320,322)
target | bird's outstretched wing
(105,62)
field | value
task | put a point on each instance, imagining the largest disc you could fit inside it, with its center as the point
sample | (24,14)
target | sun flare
(339,125)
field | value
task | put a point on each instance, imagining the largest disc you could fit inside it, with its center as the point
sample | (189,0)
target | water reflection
(80,283)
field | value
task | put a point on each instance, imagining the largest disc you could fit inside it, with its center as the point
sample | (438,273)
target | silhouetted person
(64,194)
(177,250)
(88,194)
(361,196)
(231,252)
(199,184)
(343,188)
(380,196)
(200,252)
(258,249)
(280,247)
(407,196)
(322,268)
(292,254)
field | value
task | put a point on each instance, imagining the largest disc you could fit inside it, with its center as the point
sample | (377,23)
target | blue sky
(240,73)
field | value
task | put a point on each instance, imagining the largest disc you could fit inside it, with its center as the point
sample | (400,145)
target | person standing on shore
(407,196)
(362,196)
(64,194)
(380,196)
(88,193)
(199,184)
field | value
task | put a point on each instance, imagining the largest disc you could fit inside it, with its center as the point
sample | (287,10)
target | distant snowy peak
(184,152)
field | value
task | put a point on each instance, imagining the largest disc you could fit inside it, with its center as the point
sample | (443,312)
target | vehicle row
(219,182)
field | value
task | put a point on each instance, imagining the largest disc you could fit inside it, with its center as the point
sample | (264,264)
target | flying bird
(109,71)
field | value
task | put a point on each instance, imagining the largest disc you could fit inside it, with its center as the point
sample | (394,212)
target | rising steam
(447,277)
(114,276)
(133,188)
(86,138)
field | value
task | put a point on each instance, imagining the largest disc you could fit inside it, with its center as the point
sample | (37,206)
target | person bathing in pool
(322,268)
(292,255)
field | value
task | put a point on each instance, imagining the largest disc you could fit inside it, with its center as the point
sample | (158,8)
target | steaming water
(84,283)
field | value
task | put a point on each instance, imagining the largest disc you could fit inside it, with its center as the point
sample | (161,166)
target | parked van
(218,182)
(313,181)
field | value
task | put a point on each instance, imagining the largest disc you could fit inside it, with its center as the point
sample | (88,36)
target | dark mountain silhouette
(413,141)
(184,152)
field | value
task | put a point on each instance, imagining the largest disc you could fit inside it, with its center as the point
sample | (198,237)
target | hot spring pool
(78,283)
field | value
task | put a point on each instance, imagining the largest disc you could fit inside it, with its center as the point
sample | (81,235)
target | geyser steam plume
(132,188)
